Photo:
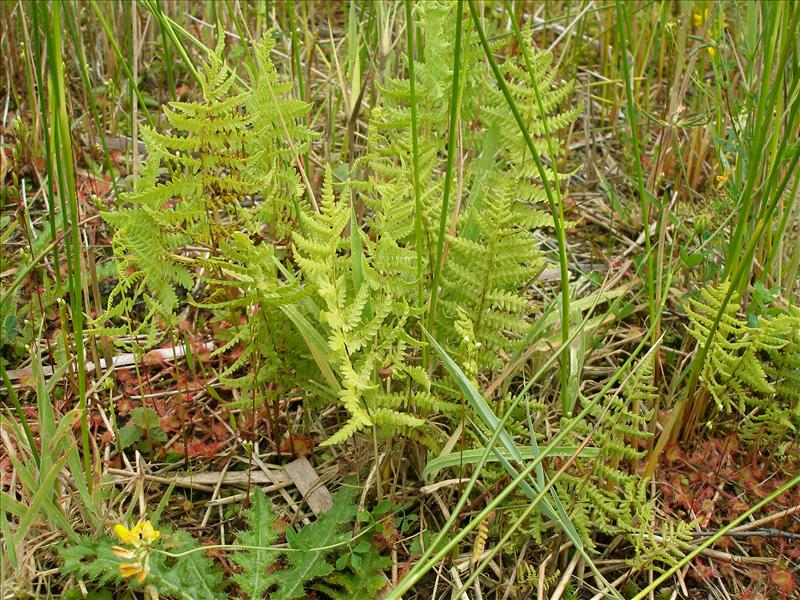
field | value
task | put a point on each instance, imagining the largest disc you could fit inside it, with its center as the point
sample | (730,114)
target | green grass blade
(455,96)
(553,199)
(71,217)
(491,421)
(410,33)
(470,457)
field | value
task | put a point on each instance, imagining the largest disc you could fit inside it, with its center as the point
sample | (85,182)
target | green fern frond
(227,163)
(732,371)
(775,422)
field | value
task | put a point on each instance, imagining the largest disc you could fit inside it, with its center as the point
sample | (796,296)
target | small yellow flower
(723,179)
(142,534)
(700,18)
(134,570)
(149,533)
(125,534)
(140,539)
(712,52)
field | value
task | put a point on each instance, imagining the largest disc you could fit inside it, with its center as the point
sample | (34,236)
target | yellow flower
(149,533)
(142,534)
(722,179)
(134,570)
(140,539)
(700,18)
(712,52)
(126,535)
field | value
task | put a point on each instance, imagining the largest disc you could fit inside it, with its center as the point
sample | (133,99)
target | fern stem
(415,155)
(554,200)
(455,110)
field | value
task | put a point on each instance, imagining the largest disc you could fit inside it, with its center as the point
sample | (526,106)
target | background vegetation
(519,280)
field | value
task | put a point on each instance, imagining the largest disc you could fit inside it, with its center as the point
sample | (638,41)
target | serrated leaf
(365,579)
(311,547)
(91,560)
(255,579)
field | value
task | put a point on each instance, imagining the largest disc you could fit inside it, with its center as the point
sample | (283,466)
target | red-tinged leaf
(297,445)
(201,351)
(113,463)
(124,406)
(169,423)
(784,580)
(673,453)
(219,431)
(154,358)
(204,449)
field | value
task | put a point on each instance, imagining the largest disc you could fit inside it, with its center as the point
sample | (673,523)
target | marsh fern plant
(491,253)
(219,168)
(219,195)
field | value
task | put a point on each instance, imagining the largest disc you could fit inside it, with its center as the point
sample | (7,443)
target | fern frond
(732,371)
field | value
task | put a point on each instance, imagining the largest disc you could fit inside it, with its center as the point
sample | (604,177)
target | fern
(228,171)
(609,498)
(732,372)
(214,193)
(658,548)
(492,253)
(211,184)
(483,277)
(776,420)
(365,323)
